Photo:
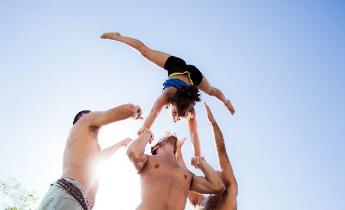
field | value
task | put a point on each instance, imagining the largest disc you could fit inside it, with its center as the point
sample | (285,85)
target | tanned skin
(82,151)
(165,182)
(159,58)
(227,200)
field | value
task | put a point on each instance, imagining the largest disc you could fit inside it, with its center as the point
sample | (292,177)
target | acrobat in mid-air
(180,90)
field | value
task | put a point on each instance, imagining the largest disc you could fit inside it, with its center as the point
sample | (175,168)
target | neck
(167,154)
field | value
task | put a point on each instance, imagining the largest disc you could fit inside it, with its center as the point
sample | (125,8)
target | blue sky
(280,62)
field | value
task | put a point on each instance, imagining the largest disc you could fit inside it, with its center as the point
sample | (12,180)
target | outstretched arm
(222,154)
(193,131)
(160,102)
(211,183)
(136,150)
(109,151)
(97,119)
(179,155)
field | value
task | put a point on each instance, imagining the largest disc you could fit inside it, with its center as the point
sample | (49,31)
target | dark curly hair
(184,97)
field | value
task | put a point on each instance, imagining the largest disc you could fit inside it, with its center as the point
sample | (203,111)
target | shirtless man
(227,199)
(77,187)
(165,182)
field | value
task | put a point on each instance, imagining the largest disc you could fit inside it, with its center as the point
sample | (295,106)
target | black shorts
(175,64)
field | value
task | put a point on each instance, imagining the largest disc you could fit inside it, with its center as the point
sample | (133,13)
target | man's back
(81,155)
(165,184)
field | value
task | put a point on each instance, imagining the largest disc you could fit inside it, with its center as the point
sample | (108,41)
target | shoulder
(85,123)
(170,91)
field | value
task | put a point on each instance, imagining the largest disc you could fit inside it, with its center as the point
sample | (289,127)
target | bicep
(201,185)
(99,118)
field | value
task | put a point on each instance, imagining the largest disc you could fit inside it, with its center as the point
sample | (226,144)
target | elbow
(132,154)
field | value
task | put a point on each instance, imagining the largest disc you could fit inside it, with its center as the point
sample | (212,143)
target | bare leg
(213,91)
(155,56)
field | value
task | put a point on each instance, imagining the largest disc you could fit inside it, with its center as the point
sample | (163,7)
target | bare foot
(230,107)
(111,35)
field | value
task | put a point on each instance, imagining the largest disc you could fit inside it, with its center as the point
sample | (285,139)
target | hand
(146,130)
(209,113)
(137,113)
(196,161)
(229,106)
(125,142)
(180,143)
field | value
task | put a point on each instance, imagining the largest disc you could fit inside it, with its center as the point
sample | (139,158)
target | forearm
(122,112)
(211,175)
(137,147)
(179,157)
(161,101)
(150,118)
(223,158)
(193,131)
(196,144)
(109,151)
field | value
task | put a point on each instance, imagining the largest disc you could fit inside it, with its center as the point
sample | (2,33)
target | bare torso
(165,184)
(81,156)
(183,78)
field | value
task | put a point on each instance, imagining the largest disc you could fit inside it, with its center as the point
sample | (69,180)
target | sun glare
(119,183)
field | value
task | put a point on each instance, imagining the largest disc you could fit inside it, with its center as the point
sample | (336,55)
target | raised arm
(121,112)
(136,149)
(193,132)
(160,102)
(211,183)
(179,155)
(222,154)
(109,151)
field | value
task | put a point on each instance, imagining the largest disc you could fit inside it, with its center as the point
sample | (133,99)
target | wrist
(147,131)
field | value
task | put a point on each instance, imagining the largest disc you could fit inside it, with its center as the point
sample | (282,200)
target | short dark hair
(184,97)
(164,140)
(79,115)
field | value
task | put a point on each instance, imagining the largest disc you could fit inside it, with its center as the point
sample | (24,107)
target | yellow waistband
(182,73)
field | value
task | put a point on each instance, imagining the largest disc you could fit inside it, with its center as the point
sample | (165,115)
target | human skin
(226,200)
(82,151)
(159,58)
(165,182)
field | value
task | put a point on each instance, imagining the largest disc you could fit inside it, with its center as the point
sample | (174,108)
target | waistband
(75,189)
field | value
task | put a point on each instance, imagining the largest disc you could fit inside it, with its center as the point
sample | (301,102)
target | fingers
(209,112)
(180,142)
(137,113)
(196,161)
(147,131)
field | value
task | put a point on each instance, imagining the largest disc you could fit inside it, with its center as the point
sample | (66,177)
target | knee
(144,50)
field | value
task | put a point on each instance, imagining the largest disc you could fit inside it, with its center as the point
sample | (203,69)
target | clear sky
(280,62)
